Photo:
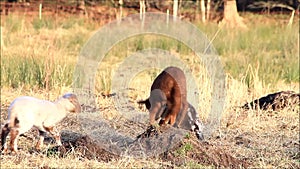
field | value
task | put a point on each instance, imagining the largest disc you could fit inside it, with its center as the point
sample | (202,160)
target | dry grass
(266,138)
(263,138)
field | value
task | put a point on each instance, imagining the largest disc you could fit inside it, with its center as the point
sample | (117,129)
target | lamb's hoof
(200,136)
(4,151)
(176,125)
(39,146)
(14,152)
(58,143)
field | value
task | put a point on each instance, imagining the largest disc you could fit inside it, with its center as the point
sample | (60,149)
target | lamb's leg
(40,143)
(54,132)
(14,134)
(183,113)
(175,109)
(15,131)
(163,116)
(4,133)
(154,111)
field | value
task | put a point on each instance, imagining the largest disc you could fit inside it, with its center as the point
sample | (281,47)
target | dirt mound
(205,154)
(83,145)
(202,153)
(191,149)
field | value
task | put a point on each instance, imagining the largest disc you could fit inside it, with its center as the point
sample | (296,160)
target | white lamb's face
(72,104)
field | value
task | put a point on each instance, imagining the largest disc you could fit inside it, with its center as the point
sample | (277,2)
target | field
(38,57)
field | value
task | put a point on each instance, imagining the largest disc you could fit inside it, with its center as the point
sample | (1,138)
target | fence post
(40,11)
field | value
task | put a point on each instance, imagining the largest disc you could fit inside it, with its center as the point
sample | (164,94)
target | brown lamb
(168,92)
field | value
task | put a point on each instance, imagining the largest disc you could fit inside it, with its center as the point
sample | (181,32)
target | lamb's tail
(13,121)
(12,117)
(4,132)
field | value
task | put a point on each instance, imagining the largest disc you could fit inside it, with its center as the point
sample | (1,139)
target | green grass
(32,71)
(271,49)
(41,53)
(184,149)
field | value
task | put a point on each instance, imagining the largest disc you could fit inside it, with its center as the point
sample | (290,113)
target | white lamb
(26,112)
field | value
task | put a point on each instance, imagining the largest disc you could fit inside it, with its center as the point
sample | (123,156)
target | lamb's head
(155,104)
(71,103)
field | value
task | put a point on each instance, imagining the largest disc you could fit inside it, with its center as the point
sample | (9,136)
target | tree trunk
(208,10)
(1,41)
(231,16)
(175,9)
(121,9)
(197,13)
(202,7)
(142,9)
(81,10)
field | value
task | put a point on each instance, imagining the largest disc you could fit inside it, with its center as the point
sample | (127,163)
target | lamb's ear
(76,104)
(146,102)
